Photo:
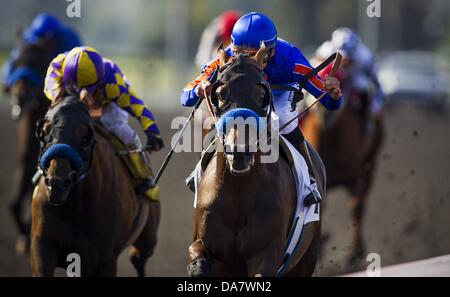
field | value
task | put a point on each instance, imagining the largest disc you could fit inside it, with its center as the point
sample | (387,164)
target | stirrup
(314,197)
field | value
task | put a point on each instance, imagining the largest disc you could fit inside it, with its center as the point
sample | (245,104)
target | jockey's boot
(142,173)
(297,139)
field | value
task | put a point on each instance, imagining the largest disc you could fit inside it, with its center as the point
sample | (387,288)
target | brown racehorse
(85,202)
(28,106)
(349,153)
(245,207)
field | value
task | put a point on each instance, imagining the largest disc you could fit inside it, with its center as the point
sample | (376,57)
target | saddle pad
(303,214)
(117,144)
(127,159)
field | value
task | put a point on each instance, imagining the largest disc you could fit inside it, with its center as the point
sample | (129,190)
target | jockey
(359,69)
(99,82)
(47,31)
(218,31)
(286,66)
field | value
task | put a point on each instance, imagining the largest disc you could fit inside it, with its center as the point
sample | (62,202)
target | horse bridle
(217,76)
(213,100)
(47,140)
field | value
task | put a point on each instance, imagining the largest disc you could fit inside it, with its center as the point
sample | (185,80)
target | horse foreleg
(106,269)
(198,263)
(356,206)
(43,257)
(144,245)
(22,189)
(264,263)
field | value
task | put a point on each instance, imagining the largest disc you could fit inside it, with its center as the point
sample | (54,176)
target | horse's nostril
(47,181)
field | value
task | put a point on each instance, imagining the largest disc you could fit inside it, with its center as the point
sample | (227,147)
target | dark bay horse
(245,207)
(28,104)
(349,154)
(85,203)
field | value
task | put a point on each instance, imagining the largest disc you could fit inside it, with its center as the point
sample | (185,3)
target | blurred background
(155,43)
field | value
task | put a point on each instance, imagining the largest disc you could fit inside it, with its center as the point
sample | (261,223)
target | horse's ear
(222,55)
(261,55)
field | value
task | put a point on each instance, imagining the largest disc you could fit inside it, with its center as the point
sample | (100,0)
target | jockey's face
(270,55)
(346,63)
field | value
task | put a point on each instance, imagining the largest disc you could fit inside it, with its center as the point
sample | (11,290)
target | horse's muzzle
(240,159)
(57,189)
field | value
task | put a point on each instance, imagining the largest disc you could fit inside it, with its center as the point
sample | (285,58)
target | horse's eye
(84,134)
(222,93)
(260,94)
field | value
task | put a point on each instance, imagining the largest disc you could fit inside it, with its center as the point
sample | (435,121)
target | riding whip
(169,155)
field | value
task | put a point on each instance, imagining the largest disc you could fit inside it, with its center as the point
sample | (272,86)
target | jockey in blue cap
(46,31)
(359,66)
(286,65)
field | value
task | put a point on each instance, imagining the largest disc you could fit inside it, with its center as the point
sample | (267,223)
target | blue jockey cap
(253,29)
(346,41)
(44,25)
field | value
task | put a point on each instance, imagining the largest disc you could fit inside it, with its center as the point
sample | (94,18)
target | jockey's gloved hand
(204,86)
(154,142)
(333,87)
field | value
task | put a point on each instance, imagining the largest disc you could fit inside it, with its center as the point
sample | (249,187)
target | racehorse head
(67,142)
(27,79)
(242,99)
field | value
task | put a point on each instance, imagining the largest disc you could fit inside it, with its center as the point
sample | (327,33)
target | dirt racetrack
(407,215)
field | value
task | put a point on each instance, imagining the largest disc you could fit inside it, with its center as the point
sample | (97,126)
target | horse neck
(93,182)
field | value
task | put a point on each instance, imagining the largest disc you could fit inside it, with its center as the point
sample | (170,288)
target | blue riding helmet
(44,25)
(252,29)
(345,40)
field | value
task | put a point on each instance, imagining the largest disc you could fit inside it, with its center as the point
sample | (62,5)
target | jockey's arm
(137,108)
(315,86)
(119,90)
(189,96)
(53,78)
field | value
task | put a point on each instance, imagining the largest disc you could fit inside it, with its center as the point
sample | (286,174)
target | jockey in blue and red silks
(286,66)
